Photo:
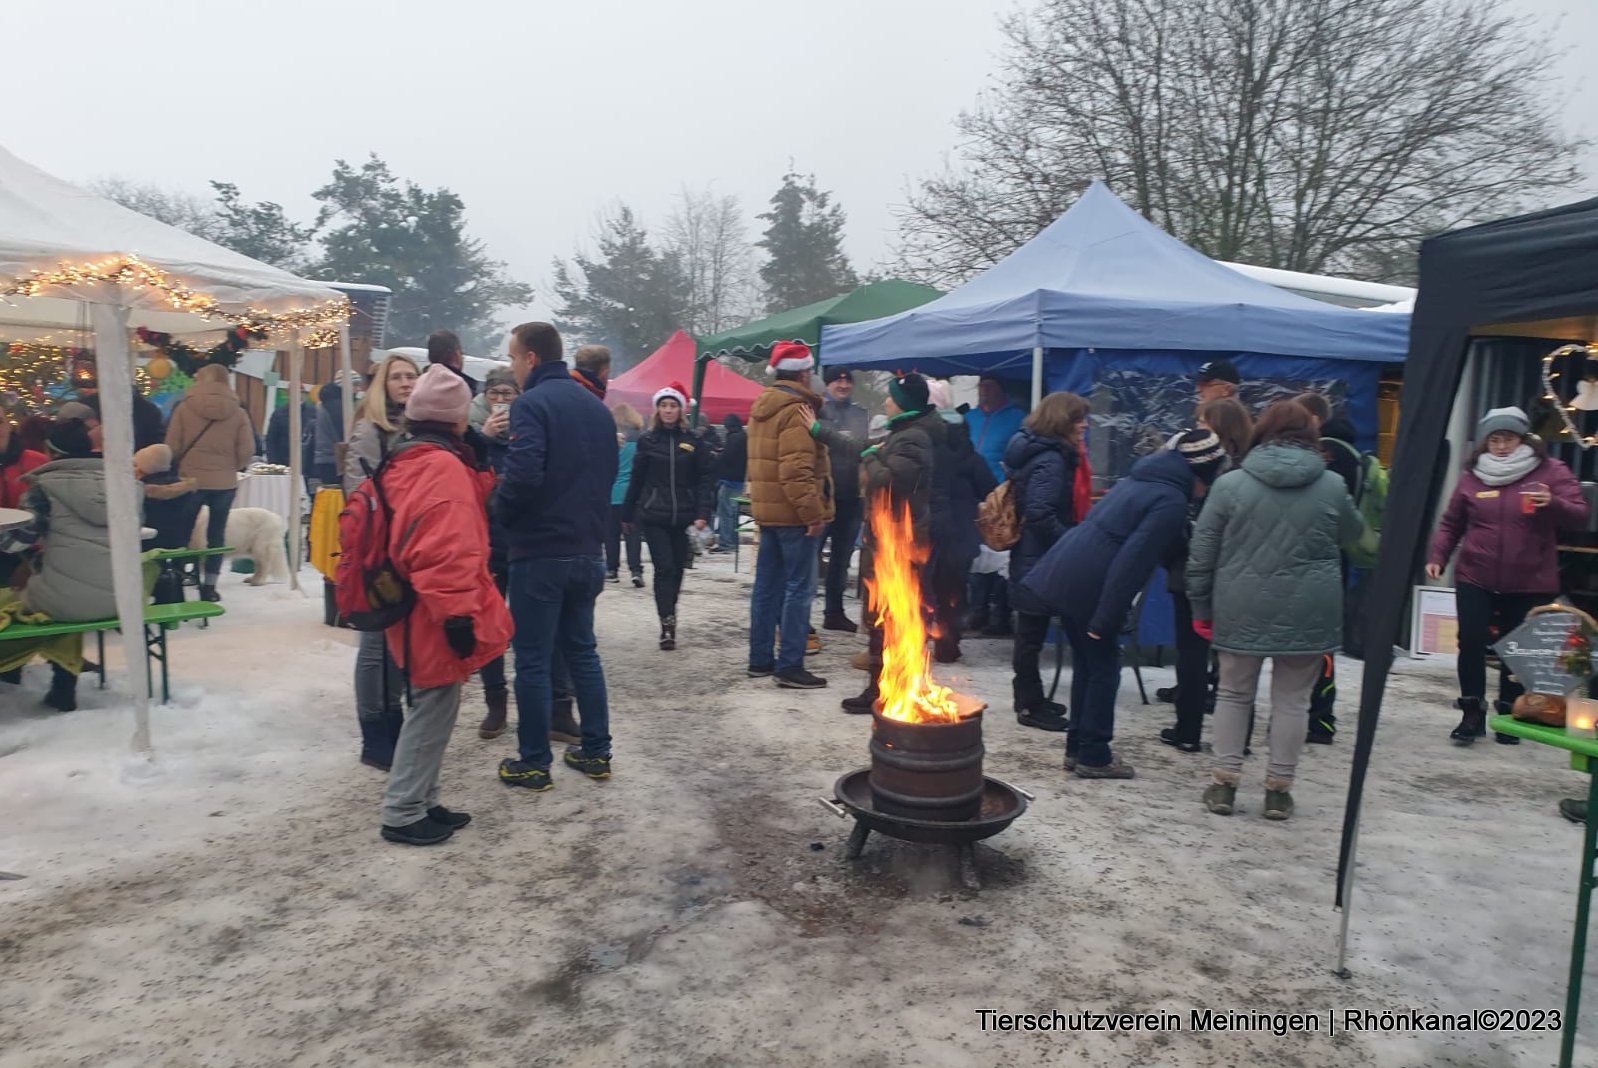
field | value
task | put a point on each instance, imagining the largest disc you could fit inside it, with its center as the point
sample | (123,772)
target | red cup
(1528,495)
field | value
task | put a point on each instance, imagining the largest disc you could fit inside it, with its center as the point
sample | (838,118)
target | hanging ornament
(158,367)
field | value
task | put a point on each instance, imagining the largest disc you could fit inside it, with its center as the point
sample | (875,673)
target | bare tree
(196,214)
(706,232)
(1312,135)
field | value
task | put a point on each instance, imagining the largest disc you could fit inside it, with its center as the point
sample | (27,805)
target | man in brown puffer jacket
(791,495)
(211,442)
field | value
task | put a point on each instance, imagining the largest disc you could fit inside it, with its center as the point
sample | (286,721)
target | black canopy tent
(1534,276)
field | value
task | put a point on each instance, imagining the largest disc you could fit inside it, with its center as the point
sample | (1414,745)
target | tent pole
(296,476)
(1348,905)
(347,388)
(114,369)
(1037,375)
(699,389)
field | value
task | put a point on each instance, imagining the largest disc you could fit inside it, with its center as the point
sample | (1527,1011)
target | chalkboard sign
(1550,653)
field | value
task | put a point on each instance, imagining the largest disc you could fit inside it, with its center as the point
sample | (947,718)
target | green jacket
(1264,564)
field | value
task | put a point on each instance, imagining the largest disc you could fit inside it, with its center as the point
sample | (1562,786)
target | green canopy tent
(753,341)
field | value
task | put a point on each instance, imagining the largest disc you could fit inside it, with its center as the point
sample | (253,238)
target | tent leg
(296,474)
(1037,375)
(114,366)
(347,379)
(1348,906)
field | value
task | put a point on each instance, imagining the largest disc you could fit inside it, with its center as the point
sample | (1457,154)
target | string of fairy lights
(1551,393)
(29,368)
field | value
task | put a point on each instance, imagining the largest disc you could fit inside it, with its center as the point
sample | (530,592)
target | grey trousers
(371,658)
(1292,680)
(419,757)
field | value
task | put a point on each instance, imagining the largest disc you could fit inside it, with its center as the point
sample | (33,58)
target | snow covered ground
(230,902)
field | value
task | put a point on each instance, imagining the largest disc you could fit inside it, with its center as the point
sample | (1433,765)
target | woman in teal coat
(1264,574)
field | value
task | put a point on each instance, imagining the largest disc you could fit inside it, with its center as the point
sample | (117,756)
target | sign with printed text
(1546,653)
(1435,626)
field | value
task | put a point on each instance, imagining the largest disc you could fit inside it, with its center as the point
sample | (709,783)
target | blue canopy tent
(1106,304)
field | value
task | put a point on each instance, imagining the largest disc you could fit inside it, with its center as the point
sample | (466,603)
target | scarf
(596,386)
(1502,470)
(1082,488)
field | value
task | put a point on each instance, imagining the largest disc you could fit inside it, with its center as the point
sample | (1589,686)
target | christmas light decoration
(1590,350)
(134,273)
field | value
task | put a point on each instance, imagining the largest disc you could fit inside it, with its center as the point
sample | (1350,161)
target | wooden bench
(158,619)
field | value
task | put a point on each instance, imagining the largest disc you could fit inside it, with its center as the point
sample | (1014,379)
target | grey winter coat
(1265,561)
(370,443)
(72,583)
(850,423)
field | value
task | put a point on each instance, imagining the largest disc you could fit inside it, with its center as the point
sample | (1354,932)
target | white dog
(253,532)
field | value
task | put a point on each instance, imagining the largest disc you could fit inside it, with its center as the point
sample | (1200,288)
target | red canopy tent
(725,391)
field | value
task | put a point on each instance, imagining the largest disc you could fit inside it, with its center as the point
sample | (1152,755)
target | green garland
(189,359)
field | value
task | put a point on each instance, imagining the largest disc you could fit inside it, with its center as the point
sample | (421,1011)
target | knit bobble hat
(910,392)
(153,459)
(440,396)
(1202,450)
(1511,419)
(673,390)
(790,356)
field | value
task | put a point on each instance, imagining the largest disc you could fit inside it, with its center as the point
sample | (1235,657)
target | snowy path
(232,904)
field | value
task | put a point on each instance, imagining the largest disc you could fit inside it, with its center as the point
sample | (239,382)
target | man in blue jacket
(554,501)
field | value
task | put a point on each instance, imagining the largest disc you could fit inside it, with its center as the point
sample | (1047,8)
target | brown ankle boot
(563,726)
(493,724)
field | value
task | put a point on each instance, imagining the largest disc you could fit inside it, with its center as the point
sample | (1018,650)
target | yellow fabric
(63,649)
(325,508)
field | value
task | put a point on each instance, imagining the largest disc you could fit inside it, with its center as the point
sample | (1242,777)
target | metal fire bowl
(1001,805)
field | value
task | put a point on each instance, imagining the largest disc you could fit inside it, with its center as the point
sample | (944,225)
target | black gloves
(458,633)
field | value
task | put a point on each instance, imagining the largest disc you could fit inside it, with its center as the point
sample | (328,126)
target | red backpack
(370,593)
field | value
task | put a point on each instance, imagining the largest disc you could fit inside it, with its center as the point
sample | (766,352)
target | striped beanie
(1201,448)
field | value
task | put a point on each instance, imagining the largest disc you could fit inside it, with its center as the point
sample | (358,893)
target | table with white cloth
(275,493)
(14,517)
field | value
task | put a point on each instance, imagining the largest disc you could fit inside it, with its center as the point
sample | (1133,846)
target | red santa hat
(790,356)
(674,391)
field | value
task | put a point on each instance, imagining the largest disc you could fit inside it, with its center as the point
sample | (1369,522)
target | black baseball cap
(835,372)
(1218,371)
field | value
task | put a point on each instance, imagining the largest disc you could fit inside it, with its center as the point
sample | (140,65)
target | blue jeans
(785,584)
(727,513)
(552,604)
(1095,681)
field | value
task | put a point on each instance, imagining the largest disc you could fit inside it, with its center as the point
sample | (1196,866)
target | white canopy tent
(67,257)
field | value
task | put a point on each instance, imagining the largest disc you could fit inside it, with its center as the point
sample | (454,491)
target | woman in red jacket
(1503,518)
(460,622)
(15,461)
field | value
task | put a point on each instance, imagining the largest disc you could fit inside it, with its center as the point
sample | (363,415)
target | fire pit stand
(1001,805)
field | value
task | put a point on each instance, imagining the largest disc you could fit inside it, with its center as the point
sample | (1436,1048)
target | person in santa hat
(672,486)
(791,495)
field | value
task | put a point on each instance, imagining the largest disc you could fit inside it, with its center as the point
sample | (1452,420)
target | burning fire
(907,690)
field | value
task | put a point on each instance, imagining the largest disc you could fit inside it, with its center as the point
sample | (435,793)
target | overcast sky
(539,114)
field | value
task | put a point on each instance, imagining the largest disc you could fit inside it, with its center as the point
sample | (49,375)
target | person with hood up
(328,432)
(955,539)
(211,441)
(730,471)
(791,496)
(671,487)
(459,622)
(1264,576)
(1503,520)
(166,511)
(67,548)
(903,473)
(1042,458)
(1092,575)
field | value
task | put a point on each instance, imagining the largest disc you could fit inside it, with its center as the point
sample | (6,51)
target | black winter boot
(563,725)
(498,702)
(63,695)
(376,749)
(865,703)
(668,633)
(1472,723)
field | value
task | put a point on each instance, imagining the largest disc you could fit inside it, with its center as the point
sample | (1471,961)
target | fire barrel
(927,771)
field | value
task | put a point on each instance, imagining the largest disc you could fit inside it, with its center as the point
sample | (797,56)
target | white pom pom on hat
(674,390)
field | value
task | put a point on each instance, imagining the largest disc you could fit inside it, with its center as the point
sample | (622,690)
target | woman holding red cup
(1504,519)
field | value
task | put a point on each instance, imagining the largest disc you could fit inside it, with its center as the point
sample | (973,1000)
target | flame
(906,688)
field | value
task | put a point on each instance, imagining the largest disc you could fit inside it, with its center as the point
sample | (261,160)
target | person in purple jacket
(1503,519)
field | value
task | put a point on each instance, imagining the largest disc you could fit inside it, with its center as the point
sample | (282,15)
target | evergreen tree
(261,231)
(413,240)
(804,243)
(631,296)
